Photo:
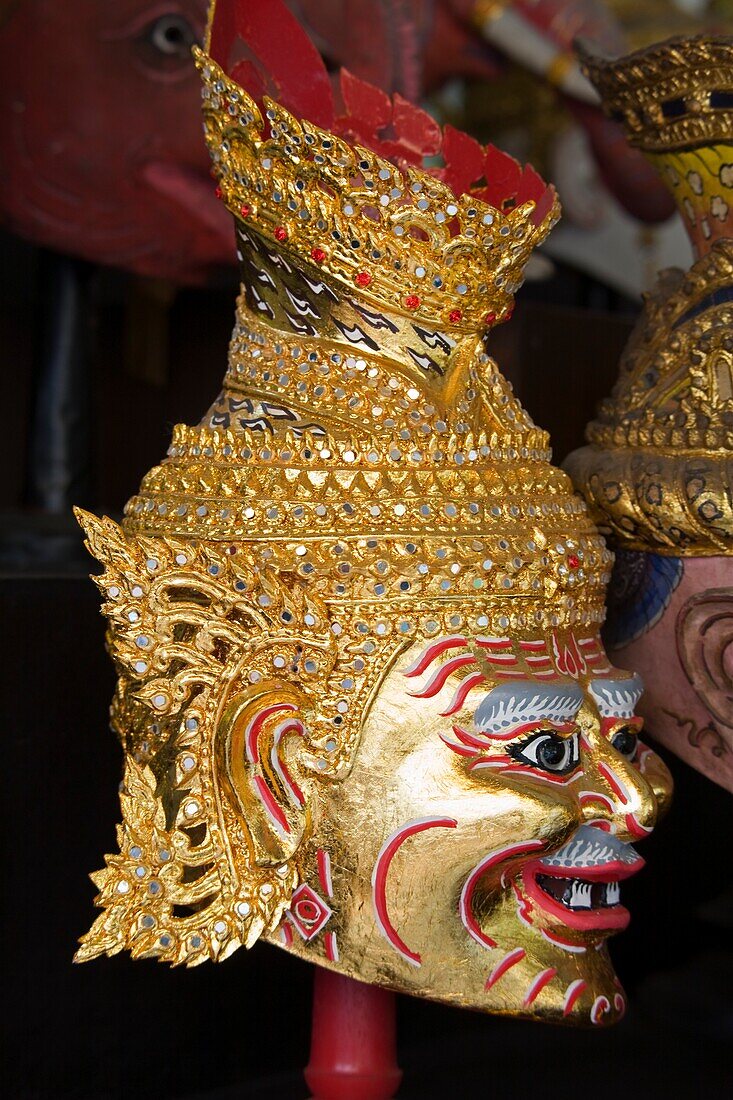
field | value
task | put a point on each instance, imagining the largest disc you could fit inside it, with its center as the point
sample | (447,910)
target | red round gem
(245,210)
(455,316)
(573,561)
(307,911)
(218,192)
(362,278)
(318,255)
(490,318)
(412,301)
(281,233)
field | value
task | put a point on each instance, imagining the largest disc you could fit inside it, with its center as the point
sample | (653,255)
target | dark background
(112,1028)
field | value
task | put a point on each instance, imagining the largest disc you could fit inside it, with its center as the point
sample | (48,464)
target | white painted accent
(522,42)
(570,991)
(515,703)
(617,698)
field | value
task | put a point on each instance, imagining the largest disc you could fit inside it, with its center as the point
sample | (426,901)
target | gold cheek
(527,807)
(659,778)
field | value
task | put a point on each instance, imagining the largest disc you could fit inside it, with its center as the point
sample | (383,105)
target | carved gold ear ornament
(196,877)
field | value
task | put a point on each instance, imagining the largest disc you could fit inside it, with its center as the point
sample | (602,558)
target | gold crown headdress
(657,473)
(671,95)
(365,479)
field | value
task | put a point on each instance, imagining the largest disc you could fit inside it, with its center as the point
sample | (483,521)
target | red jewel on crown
(281,233)
(412,301)
(455,316)
(362,278)
(318,255)
(245,210)
(573,561)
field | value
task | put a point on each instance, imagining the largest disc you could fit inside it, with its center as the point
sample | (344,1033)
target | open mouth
(579,884)
(578,893)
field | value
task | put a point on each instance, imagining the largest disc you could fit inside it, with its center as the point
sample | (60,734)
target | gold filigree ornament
(657,473)
(354,615)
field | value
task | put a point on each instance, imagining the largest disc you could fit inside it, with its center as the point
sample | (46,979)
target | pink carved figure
(100,142)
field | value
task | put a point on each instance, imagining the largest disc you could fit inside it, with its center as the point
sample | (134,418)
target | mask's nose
(616,791)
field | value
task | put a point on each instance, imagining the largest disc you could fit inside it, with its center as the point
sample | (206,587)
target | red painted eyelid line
(558,778)
(636,722)
(518,731)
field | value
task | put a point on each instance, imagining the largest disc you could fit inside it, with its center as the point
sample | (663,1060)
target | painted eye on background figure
(626,742)
(172,36)
(549,751)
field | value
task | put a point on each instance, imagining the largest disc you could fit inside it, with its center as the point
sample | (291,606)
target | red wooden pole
(353,1040)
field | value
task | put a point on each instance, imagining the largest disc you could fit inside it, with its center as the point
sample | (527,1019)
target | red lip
(611,918)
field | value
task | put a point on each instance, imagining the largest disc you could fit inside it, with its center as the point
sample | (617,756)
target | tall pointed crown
(364,439)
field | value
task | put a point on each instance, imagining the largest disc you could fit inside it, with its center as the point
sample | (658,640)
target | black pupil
(625,741)
(551,753)
(172,35)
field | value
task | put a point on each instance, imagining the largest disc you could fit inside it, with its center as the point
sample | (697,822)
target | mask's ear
(259,740)
(704,630)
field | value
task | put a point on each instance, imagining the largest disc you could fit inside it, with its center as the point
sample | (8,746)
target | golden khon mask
(365,710)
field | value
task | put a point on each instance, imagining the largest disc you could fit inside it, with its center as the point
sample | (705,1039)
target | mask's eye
(548,751)
(626,742)
(172,36)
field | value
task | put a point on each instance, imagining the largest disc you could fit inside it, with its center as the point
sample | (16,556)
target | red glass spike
(263,47)
(502,174)
(415,129)
(363,101)
(464,161)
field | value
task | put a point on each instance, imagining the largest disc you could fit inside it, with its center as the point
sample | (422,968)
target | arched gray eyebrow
(520,701)
(617,698)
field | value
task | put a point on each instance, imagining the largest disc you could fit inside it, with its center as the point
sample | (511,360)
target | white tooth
(613,893)
(580,895)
